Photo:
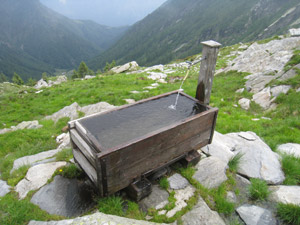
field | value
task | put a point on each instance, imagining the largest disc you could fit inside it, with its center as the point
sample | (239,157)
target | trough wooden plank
(85,165)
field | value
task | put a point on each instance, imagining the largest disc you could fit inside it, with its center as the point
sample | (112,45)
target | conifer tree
(3,78)
(17,79)
(82,70)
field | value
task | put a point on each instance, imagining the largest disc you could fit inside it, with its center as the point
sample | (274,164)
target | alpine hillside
(35,39)
(176,29)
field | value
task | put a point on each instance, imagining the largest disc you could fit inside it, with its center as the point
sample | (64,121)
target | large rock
(211,172)
(271,56)
(36,177)
(290,149)
(96,218)
(128,66)
(96,108)
(59,80)
(177,182)
(254,215)
(258,160)
(280,89)
(4,188)
(285,194)
(221,147)
(33,159)
(202,214)
(64,197)
(70,111)
(157,199)
(156,67)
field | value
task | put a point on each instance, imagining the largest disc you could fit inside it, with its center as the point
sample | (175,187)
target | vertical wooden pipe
(207,70)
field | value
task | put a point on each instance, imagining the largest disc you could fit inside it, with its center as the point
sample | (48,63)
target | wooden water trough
(119,148)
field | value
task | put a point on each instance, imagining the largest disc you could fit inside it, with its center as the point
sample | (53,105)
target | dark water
(123,125)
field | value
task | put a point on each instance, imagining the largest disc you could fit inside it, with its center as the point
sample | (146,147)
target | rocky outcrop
(271,56)
(58,80)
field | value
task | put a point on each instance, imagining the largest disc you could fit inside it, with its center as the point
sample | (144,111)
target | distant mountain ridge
(176,29)
(35,39)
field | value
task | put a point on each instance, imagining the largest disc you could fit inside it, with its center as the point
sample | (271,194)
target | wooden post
(207,70)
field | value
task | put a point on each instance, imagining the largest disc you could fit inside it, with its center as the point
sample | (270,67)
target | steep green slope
(30,29)
(176,29)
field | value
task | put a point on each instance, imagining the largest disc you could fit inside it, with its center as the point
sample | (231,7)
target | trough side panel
(85,165)
(83,147)
(129,163)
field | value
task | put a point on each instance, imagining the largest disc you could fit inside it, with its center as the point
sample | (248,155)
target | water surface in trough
(120,126)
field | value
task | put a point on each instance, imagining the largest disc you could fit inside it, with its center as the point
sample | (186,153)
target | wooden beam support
(207,70)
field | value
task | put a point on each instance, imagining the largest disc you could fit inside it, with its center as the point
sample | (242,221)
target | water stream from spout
(173,107)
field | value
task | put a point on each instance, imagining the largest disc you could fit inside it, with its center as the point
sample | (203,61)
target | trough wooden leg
(139,189)
(191,159)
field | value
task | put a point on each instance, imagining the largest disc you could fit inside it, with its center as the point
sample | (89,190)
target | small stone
(177,181)
(211,172)
(157,76)
(149,87)
(4,188)
(87,77)
(266,118)
(290,149)
(285,194)
(163,212)
(65,129)
(298,90)
(251,215)
(155,85)
(255,119)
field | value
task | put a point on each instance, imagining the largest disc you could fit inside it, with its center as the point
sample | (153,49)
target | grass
(289,213)
(258,189)
(115,205)
(13,211)
(64,155)
(234,162)
(164,183)
(291,168)
(70,171)
(293,61)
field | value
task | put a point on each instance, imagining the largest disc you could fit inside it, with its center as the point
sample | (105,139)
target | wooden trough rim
(100,151)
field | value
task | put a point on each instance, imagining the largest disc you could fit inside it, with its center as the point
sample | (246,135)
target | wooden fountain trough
(121,147)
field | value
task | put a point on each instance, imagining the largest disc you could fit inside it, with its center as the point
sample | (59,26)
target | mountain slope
(31,30)
(176,29)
